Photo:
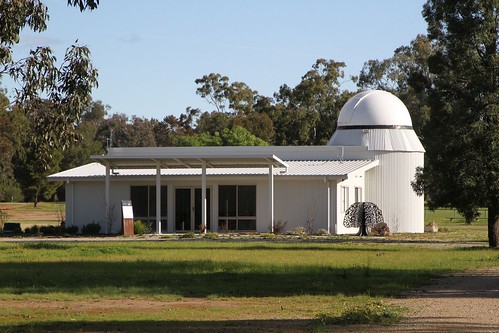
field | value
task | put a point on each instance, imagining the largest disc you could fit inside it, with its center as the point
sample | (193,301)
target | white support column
(271,196)
(158,198)
(328,206)
(203,197)
(107,202)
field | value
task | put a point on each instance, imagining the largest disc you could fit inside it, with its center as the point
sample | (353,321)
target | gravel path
(464,302)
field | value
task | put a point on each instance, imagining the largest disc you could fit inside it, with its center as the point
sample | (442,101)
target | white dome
(374,108)
(377,120)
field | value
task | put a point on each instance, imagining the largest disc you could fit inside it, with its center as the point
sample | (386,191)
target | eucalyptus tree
(41,79)
(406,74)
(462,134)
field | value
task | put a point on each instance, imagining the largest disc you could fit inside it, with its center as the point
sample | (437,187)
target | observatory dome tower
(380,121)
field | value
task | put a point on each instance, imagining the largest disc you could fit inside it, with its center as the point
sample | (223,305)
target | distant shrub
(72,230)
(189,234)
(298,231)
(51,230)
(91,229)
(374,312)
(211,235)
(380,229)
(279,227)
(140,227)
(321,232)
(268,236)
(33,230)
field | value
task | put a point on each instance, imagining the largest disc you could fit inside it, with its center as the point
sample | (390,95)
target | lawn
(199,284)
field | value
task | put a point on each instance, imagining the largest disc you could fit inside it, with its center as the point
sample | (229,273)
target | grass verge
(173,285)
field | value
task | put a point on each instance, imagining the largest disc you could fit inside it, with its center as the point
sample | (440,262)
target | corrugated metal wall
(389,187)
(299,201)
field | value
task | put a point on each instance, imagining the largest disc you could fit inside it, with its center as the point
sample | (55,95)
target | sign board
(127,213)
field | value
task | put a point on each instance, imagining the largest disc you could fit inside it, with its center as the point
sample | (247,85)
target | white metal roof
(379,139)
(323,168)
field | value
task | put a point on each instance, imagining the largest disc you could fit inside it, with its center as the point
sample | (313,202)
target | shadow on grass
(273,325)
(203,278)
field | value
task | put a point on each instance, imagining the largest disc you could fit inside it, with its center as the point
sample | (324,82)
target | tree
(307,113)
(406,75)
(462,132)
(10,133)
(237,136)
(66,86)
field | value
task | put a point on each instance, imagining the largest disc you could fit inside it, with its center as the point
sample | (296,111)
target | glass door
(188,209)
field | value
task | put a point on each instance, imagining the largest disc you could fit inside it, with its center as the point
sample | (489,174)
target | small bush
(279,227)
(268,236)
(189,234)
(33,230)
(91,229)
(51,230)
(380,229)
(211,235)
(298,231)
(72,230)
(321,232)
(374,312)
(140,227)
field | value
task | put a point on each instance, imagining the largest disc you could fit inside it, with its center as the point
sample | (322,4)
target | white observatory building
(371,157)
(380,121)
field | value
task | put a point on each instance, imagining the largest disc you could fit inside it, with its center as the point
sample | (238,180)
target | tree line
(448,79)
(237,115)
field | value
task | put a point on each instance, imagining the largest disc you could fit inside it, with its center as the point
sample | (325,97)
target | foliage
(406,75)
(211,235)
(91,229)
(298,231)
(462,169)
(322,232)
(140,227)
(373,312)
(279,227)
(66,87)
(189,234)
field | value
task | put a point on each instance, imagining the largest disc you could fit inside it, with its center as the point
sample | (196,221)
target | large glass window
(144,202)
(237,207)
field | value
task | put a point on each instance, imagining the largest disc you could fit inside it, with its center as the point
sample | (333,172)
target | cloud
(130,38)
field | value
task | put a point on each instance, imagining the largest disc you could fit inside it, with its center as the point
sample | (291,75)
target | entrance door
(188,209)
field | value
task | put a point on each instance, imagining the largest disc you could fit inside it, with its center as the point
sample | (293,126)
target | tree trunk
(493,224)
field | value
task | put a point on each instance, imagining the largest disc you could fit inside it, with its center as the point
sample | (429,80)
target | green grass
(265,282)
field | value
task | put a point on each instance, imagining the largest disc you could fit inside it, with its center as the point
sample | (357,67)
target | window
(144,202)
(237,207)
(344,199)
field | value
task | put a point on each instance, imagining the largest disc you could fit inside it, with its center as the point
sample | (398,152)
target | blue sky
(150,52)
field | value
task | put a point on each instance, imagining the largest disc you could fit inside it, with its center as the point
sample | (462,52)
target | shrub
(279,227)
(72,230)
(33,230)
(298,231)
(51,230)
(268,236)
(189,234)
(374,312)
(321,232)
(211,235)
(91,229)
(380,229)
(140,227)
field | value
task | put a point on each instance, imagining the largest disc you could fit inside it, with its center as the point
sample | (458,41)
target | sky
(150,52)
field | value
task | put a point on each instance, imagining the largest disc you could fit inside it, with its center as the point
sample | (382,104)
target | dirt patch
(25,212)
(463,302)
